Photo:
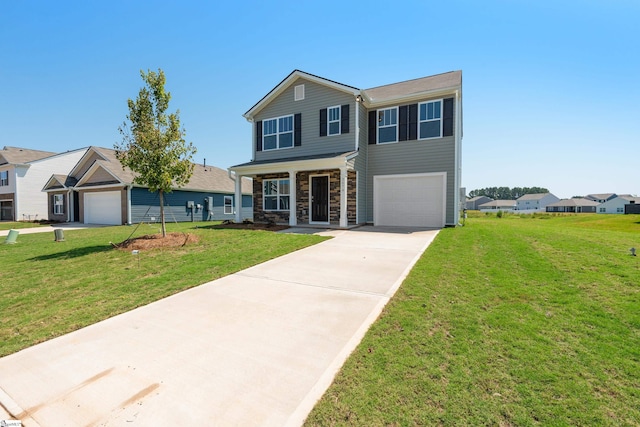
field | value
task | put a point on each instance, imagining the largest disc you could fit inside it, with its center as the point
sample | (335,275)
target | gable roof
(602,196)
(576,201)
(416,88)
(17,155)
(204,178)
(538,196)
(288,81)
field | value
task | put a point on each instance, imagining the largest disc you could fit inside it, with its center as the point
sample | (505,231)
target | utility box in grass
(11,237)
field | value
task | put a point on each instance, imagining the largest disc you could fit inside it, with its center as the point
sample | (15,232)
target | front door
(320,199)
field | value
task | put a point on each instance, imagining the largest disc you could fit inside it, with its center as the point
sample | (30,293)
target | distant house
(97,190)
(617,204)
(23,172)
(535,202)
(601,198)
(498,205)
(575,205)
(474,202)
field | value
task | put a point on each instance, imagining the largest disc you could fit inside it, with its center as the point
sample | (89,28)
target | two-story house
(332,154)
(23,172)
(535,202)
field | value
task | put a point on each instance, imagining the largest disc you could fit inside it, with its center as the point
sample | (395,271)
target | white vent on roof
(298,93)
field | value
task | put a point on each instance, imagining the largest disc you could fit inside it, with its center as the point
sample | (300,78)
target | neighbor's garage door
(102,208)
(414,200)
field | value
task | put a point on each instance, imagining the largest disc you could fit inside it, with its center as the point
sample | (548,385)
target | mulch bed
(153,241)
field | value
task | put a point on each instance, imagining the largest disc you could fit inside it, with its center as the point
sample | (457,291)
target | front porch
(304,193)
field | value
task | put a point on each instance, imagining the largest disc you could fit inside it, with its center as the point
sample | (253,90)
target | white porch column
(238,197)
(343,198)
(293,217)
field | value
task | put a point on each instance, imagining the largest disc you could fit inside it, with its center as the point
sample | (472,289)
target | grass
(513,321)
(49,288)
(19,224)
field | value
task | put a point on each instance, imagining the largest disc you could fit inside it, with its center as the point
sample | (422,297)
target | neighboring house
(535,202)
(617,204)
(576,205)
(23,172)
(601,198)
(498,205)
(332,154)
(474,202)
(97,190)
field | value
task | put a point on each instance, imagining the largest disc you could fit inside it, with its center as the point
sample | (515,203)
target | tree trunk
(164,228)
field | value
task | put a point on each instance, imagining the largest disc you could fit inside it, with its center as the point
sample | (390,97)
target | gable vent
(298,94)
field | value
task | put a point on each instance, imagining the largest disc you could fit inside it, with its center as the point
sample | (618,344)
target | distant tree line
(506,193)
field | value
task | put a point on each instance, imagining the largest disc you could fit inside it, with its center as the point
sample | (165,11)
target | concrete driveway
(257,348)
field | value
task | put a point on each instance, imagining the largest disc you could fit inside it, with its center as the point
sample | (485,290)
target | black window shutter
(53,203)
(344,119)
(413,122)
(323,122)
(297,130)
(403,119)
(259,135)
(447,117)
(373,126)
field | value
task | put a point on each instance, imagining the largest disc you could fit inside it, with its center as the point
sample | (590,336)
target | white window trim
(278,195)
(432,120)
(230,205)
(378,127)
(278,133)
(58,205)
(298,93)
(339,121)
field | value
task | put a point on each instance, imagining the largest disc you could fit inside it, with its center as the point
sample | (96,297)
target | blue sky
(550,88)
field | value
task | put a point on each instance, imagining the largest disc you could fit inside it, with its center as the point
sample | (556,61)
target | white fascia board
(297,165)
(83,159)
(413,97)
(287,82)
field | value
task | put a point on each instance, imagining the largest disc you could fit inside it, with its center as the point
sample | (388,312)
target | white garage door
(102,208)
(413,200)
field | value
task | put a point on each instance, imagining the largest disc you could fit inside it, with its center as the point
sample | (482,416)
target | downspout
(458,176)
(129,204)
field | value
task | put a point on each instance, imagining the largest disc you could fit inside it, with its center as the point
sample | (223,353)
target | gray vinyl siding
(146,205)
(414,156)
(316,98)
(407,157)
(361,164)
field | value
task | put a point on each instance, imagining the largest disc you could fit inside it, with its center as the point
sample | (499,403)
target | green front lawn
(513,321)
(49,288)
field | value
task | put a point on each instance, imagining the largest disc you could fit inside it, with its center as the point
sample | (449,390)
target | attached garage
(103,208)
(413,200)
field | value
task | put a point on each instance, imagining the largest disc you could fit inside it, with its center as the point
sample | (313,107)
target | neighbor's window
(430,119)
(333,114)
(276,194)
(603,210)
(4,178)
(228,205)
(388,125)
(58,204)
(277,133)
(620,210)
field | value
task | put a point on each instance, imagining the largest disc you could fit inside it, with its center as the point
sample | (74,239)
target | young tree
(153,142)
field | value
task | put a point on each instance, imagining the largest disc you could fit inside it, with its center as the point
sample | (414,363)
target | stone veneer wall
(261,216)
(302,197)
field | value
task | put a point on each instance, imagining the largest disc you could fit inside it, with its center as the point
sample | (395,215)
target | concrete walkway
(49,229)
(256,348)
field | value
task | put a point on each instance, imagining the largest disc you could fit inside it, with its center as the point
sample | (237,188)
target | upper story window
(277,133)
(58,204)
(387,125)
(4,178)
(430,119)
(275,194)
(334,120)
